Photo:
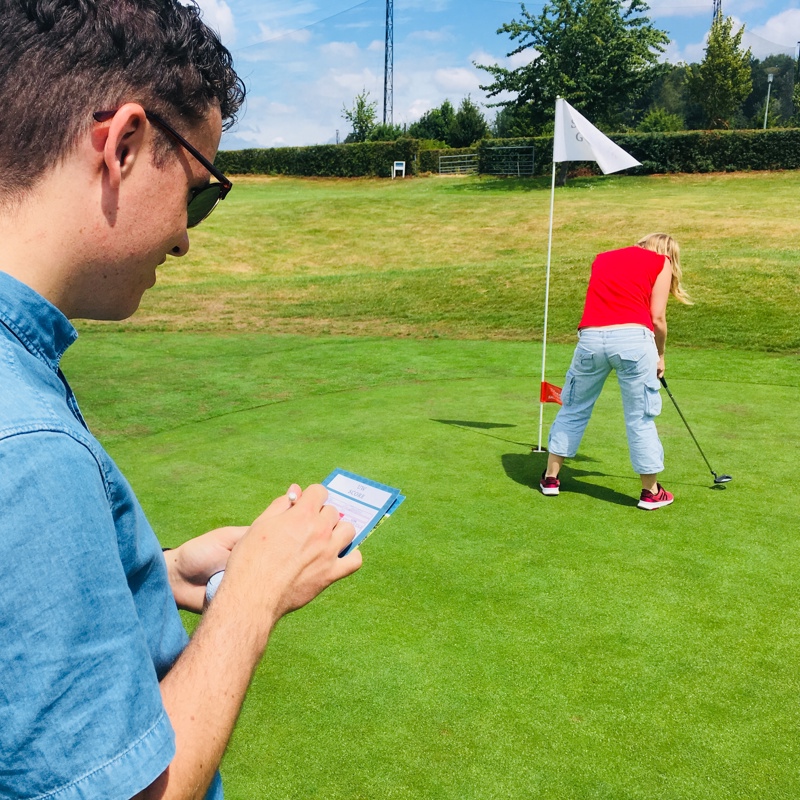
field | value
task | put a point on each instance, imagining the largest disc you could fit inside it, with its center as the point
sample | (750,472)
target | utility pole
(388,67)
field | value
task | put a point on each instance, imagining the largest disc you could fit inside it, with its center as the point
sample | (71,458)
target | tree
(386,133)
(669,93)
(599,55)
(659,120)
(434,124)
(468,125)
(781,102)
(722,81)
(361,116)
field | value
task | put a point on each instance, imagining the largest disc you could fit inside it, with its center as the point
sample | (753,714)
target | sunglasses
(203,200)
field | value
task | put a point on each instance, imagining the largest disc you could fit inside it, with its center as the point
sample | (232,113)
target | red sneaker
(549,486)
(650,501)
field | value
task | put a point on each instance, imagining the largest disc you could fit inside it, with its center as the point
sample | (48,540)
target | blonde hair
(665,245)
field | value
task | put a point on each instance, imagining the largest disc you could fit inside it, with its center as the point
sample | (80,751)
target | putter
(717,478)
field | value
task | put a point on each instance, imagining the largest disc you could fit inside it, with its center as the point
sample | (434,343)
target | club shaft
(694,438)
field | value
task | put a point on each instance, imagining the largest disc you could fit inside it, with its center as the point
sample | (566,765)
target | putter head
(722,478)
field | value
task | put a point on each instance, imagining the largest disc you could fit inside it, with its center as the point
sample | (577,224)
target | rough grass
(465,257)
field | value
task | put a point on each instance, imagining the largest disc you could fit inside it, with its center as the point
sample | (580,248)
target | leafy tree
(722,81)
(512,121)
(386,133)
(781,102)
(659,120)
(434,124)
(669,93)
(794,120)
(599,55)
(361,116)
(468,125)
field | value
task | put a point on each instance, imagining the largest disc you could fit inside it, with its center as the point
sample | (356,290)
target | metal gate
(458,165)
(508,161)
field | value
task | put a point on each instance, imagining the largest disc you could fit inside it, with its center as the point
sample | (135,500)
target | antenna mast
(388,66)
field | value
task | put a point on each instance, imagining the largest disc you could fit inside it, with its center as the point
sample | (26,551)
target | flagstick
(546,301)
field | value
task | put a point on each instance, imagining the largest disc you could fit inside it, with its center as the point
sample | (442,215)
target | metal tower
(717,14)
(388,66)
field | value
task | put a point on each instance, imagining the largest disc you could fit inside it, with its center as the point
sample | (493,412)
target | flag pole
(546,301)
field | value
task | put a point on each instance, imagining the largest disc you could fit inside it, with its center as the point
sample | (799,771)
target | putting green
(496,643)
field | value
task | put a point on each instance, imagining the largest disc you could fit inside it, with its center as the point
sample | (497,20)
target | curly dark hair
(61,60)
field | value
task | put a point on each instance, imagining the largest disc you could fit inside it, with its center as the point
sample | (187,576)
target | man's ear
(124,142)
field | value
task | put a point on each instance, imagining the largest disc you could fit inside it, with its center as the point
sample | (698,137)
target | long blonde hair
(665,245)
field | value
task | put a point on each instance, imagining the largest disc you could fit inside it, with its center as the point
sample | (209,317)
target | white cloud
(430,37)
(340,50)
(353,83)
(457,79)
(218,15)
(509,62)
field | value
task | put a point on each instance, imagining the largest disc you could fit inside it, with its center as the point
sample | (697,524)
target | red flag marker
(550,393)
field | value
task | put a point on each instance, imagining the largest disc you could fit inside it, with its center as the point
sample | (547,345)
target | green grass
(465,257)
(496,643)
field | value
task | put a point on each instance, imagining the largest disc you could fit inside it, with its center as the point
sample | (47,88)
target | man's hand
(191,565)
(660,367)
(291,553)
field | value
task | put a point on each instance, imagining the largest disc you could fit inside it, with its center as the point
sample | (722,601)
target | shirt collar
(37,323)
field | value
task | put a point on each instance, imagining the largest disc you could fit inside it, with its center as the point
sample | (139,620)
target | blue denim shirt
(88,623)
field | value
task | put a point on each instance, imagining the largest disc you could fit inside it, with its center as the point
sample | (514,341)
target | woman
(624,328)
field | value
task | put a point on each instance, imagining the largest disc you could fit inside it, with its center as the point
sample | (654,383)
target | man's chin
(117,313)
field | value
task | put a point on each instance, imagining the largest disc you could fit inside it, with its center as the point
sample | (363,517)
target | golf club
(717,478)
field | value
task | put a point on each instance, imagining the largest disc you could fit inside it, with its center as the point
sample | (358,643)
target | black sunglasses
(203,200)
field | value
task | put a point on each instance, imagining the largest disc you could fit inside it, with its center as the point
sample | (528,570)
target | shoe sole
(653,506)
(548,490)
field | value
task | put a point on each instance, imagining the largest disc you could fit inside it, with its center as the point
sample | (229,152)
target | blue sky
(303,61)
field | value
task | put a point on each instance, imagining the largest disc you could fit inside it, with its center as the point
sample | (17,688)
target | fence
(458,165)
(507,161)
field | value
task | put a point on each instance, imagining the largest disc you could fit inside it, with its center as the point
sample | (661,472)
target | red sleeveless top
(620,287)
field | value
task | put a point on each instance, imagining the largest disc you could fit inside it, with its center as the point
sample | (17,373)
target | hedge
(685,151)
(327,160)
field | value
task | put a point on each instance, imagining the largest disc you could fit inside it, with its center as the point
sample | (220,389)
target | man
(112,111)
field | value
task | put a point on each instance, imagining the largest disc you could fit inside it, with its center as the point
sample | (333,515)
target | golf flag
(576,139)
(550,393)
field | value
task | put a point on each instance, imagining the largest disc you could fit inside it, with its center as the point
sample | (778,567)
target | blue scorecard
(362,502)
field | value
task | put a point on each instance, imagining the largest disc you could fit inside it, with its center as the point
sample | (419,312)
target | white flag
(576,139)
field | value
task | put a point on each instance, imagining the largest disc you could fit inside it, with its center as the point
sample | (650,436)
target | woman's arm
(658,311)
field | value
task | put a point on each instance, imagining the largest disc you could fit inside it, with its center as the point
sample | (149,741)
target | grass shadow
(481,427)
(501,184)
(460,423)
(527,468)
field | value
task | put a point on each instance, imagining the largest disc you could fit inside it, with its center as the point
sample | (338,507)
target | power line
(305,27)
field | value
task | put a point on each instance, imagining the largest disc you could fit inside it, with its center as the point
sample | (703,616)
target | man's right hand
(287,558)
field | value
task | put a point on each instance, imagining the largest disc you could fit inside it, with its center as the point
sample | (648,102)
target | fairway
(496,643)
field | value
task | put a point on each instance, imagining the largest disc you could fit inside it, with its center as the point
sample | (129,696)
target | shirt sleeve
(81,715)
